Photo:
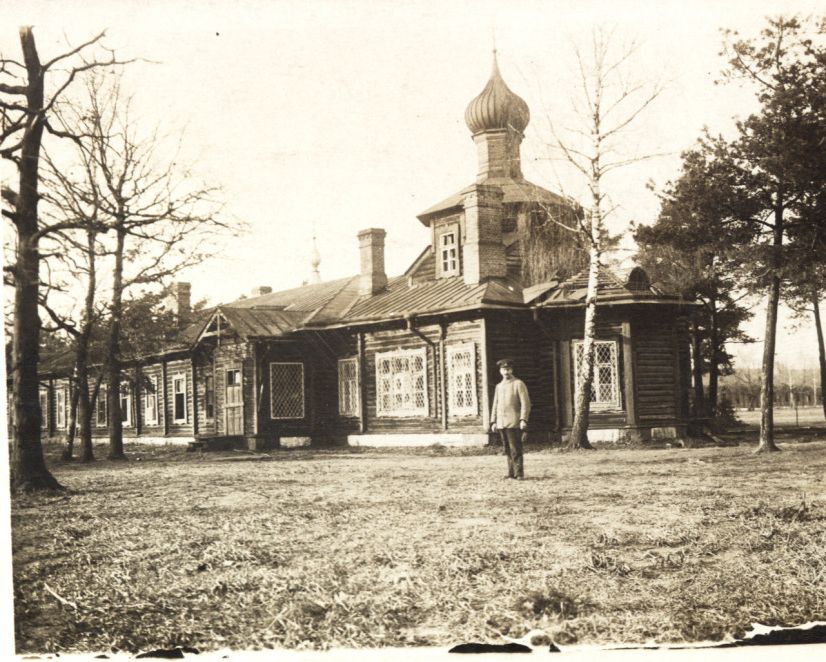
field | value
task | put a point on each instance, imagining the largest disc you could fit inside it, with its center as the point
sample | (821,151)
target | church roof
(613,286)
(261,322)
(306,298)
(513,190)
(442,295)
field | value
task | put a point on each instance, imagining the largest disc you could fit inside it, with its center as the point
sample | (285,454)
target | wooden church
(410,360)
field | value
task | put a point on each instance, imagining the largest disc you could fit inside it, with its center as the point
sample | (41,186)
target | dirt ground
(315,549)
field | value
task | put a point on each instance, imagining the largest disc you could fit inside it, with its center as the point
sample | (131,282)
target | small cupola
(497,119)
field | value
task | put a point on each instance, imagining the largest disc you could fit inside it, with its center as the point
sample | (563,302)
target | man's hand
(523,425)
(493,427)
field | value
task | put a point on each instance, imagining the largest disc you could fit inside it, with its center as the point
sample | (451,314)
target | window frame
(103,397)
(175,418)
(151,395)
(454,409)
(616,404)
(303,393)
(448,255)
(424,410)
(60,413)
(355,388)
(125,393)
(43,399)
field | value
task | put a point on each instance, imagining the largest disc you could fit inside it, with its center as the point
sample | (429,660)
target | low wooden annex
(410,360)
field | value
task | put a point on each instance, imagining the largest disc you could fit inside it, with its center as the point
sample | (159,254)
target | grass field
(786,417)
(310,549)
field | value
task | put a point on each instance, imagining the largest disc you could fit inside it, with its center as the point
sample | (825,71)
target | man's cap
(504,363)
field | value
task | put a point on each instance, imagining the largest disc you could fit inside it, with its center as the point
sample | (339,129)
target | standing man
(511,408)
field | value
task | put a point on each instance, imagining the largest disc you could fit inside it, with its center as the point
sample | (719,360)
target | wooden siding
(285,352)
(180,367)
(568,326)
(658,359)
(156,428)
(205,366)
(456,332)
(517,336)
(658,376)
(229,355)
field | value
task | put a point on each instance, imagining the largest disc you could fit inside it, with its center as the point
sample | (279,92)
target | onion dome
(497,107)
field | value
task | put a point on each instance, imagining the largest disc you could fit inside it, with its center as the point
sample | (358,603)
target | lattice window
(44,409)
(461,370)
(286,390)
(348,387)
(605,393)
(179,398)
(61,408)
(150,401)
(401,383)
(448,253)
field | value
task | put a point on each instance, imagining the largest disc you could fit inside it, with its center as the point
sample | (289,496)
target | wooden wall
(653,343)
(388,340)
(515,335)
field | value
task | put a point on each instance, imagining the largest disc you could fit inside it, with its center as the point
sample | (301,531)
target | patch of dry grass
(332,548)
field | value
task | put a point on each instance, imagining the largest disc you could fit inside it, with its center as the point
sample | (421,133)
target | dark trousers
(512,441)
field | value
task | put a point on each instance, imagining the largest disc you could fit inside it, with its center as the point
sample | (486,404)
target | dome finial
(497,107)
(315,262)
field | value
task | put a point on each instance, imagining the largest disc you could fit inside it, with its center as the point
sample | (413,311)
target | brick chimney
(181,299)
(483,253)
(371,249)
(260,290)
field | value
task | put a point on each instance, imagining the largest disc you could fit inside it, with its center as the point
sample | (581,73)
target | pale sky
(331,117)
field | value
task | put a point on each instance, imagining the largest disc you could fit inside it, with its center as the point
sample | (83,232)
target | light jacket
(511,404)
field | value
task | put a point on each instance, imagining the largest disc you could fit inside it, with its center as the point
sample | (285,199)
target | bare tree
(25,109)
(608,103)
(161,220)
(67,198)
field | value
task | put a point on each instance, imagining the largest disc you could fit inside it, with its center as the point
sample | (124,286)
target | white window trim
(303,394)
(175,417)
(60,404)
(471,409)
(442,249)
(44,408)
(102,397)
(614,404)
(402,413)
(357,404)
(126,421)
(147,395)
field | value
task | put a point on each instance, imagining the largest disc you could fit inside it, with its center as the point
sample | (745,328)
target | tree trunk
(821,352)
(83,349)
(113,358)
(766,443)
(94,394)
(582,399)
(84,414)
(28,467)
(697,371)
(70,434)
(714,363)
